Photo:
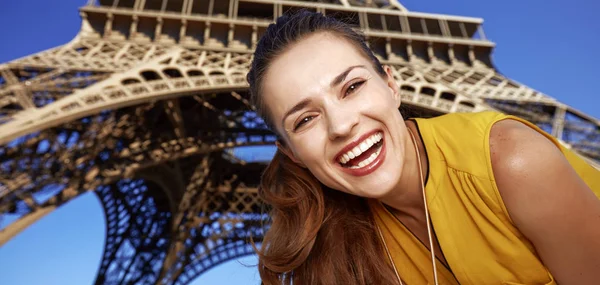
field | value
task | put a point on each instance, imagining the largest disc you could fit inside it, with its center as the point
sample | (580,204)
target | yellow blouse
(477,237)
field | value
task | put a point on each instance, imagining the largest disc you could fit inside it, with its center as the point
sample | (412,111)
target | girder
(102,149)
(176,73)
(147,244)
(219,225)
(145,105)
(137,231)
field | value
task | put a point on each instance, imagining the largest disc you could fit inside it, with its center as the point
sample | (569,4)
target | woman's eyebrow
(299,106)
(340,78)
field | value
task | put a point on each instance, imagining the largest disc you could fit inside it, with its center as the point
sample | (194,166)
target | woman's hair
(317,235)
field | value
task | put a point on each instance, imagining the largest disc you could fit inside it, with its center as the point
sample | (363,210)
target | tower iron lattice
(148,108)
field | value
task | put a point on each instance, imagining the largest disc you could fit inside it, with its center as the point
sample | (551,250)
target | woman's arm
(548,202)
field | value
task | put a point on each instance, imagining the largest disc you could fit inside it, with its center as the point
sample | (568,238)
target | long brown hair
(317,235)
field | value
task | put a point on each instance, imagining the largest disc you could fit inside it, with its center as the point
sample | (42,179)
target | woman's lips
(356,144)
(373,165)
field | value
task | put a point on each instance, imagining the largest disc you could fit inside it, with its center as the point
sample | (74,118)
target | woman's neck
(406,200)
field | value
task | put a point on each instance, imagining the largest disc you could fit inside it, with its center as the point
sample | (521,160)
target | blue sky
(548,45)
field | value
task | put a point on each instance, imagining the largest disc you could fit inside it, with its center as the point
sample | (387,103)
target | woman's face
(337,116)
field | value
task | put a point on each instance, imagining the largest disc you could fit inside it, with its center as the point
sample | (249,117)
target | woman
(358,195)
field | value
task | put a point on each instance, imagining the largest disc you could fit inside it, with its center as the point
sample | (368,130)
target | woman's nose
(341,120)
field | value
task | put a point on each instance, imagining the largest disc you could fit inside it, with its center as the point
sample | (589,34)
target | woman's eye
(303,121)
(353,87)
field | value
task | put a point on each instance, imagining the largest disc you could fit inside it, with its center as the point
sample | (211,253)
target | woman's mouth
(363,158)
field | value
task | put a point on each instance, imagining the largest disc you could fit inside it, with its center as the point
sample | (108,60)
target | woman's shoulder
(461,140)
(485,143)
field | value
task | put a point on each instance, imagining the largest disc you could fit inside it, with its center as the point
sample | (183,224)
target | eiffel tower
(148,108)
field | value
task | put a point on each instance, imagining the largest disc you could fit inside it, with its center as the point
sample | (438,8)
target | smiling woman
(358,195)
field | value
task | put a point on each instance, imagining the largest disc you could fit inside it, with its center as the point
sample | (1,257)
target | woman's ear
(289,153)
(393,85)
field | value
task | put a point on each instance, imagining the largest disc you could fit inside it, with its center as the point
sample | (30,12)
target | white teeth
(359,149)
(364,146)
(367,161)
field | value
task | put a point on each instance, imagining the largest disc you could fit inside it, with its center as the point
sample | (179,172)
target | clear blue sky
(549,45)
